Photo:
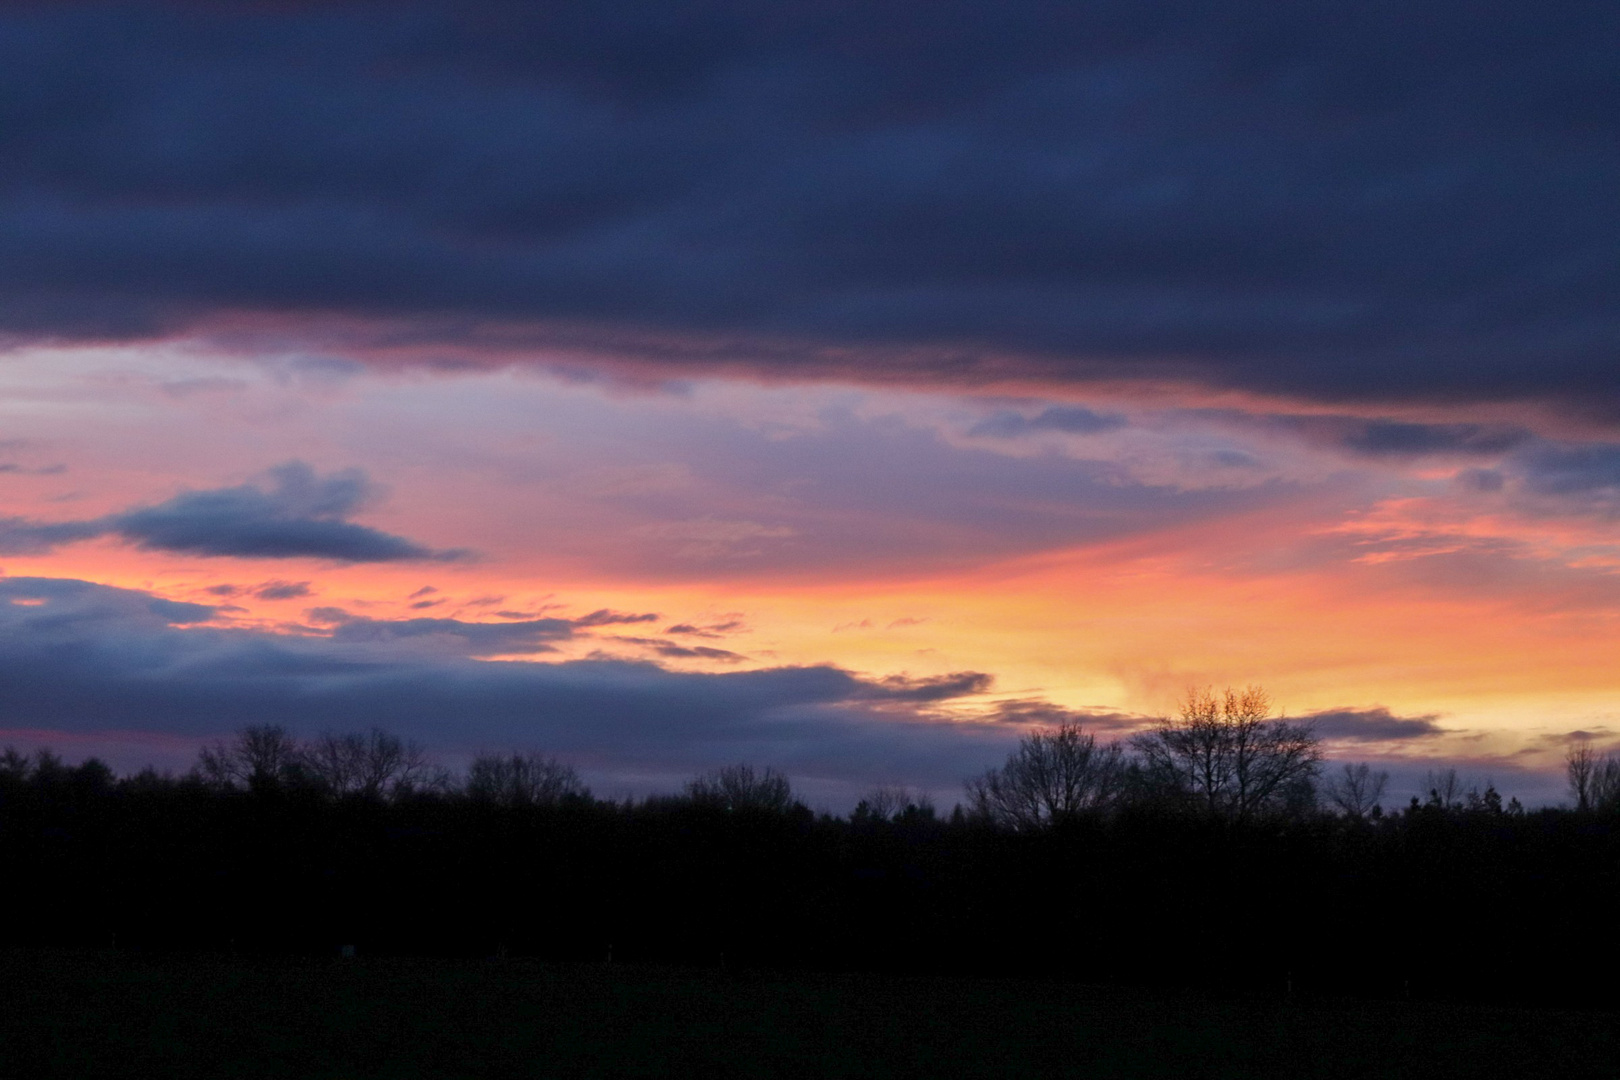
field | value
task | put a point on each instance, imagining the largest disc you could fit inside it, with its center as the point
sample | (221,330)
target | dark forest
(1107,866)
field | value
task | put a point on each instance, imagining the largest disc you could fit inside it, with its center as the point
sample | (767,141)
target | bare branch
(523,780)
(1055,775)
(739,787)
(1225,754)
(1356,789)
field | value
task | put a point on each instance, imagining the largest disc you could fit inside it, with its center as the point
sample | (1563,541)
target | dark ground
(87,1014)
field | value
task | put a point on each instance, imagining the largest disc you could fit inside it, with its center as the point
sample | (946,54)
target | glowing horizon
(927,373)
(1147,550)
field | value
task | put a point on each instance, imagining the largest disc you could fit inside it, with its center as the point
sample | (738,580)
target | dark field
(81,1014)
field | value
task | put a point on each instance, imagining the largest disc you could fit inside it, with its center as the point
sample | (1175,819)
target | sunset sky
(844,388)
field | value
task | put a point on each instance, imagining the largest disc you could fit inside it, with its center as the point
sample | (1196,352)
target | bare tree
(889,803)
(1445,788)
(1581,764)
(523,780)
(264,753)
(1594,779)
(1356,789)
(1055,775)
(375,764)
(1229,757)
(1606,783)
(739,787)
(14,765)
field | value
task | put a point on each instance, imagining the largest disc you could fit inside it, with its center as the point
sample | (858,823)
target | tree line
(1214,848)
(1223,755)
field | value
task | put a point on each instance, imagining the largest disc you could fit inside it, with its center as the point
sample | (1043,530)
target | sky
(846,388)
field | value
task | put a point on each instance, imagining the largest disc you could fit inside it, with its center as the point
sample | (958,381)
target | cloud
(459,638)
(456,637)
(267,590)
(933,688)
(605,617)
(20,536)
(1375,724)
(81,657)
(1385,203)
(1072,419)
(712,631)
(710,538)
(1483,481)
(282,590)
(1400,439)
(672,651)
(1389,437)
(819,505)
(1573,470)
(91,661)
(1035,712)
(56,608)
(299,515)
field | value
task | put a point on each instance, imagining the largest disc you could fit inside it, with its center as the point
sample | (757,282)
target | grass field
(109,1014)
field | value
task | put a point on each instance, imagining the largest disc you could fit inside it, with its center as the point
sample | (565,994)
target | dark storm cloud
(1377,200)
(81,657)
(299,515)
(1376,724)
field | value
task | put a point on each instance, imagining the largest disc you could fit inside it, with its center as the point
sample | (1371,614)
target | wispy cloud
(77,656)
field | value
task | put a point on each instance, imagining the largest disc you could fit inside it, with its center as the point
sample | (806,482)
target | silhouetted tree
(523,780)
(147,782)
(1054,776)
(93,776)
(1606,784)
(1227,756)
(1581,764)
(198,867)
(1356,789)
(1488,801)
(891,803)
(262,754)
(14,765)
(1445,789)
(740,787)
(46,768)
(374,765)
